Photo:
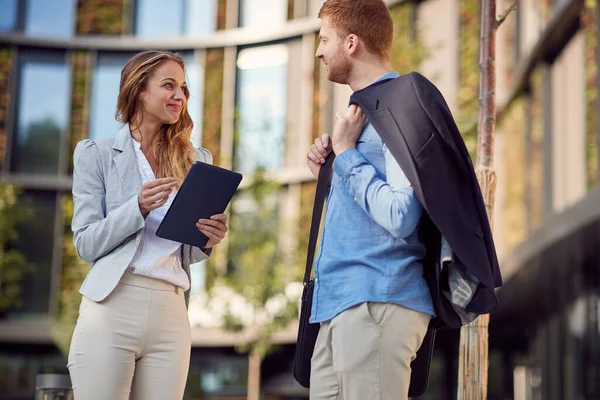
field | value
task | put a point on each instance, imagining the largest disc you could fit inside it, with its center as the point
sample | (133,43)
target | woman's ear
(141,96)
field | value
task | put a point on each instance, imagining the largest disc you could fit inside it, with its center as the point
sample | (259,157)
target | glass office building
(258,99)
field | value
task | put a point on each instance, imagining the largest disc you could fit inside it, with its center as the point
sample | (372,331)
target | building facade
(546,330)
(258,99)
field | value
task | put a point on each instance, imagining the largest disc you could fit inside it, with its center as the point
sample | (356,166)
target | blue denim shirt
(370,249)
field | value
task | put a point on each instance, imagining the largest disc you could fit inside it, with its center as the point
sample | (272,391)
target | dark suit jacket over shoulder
(413,119)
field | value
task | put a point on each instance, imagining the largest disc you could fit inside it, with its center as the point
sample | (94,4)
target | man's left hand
(214,228)
(347,129)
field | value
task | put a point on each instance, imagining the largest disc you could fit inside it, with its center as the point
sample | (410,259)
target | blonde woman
(133,335)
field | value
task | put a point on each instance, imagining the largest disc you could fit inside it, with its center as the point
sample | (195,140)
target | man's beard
(340,68)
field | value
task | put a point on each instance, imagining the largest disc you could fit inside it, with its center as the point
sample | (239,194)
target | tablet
(205,191)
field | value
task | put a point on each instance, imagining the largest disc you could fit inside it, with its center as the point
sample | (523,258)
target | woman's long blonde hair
(172,147)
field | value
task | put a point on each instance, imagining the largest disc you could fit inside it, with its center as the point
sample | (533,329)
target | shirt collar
(389,75)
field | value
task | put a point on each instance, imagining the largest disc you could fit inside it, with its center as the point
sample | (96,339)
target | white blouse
(156,257)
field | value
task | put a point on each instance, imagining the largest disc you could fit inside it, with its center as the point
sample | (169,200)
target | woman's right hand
(154,194)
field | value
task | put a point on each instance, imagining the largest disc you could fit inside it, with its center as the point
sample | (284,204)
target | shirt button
(316,280)
(355,199)
(407,183)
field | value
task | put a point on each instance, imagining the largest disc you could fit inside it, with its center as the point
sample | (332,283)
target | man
(370,296)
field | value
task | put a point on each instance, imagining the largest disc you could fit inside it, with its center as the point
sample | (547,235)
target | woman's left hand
(214,228)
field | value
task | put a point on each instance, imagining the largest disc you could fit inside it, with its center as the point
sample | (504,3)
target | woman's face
(165,95)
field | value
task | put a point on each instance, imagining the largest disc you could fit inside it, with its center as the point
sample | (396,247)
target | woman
(133,333)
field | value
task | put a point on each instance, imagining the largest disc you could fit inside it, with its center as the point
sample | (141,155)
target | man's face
(333,53)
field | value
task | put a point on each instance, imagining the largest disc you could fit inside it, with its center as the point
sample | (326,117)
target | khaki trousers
(365,353)
(136,343)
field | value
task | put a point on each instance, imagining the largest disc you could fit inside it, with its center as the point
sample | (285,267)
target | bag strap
(323,185)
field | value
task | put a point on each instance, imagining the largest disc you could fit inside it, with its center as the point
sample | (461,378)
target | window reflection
(36,240)
(159,18)
(8,15)
(105,90)
(255,222)
(18,370)
(43,112)
(263,13)
(221,376)
(201,17)
(194,74)
(55,18)
(262,94)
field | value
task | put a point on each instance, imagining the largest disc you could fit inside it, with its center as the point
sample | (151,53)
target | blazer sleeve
(97,233)
(197,255)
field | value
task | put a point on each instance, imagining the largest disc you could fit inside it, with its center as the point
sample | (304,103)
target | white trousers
(364,353)
(135,344)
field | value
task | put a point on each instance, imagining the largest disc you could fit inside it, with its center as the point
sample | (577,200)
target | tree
(473,356)
(40,147)
(13,264)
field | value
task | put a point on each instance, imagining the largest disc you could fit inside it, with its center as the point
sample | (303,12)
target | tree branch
(506,13)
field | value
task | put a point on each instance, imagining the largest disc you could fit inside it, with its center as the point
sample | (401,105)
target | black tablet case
(205,191)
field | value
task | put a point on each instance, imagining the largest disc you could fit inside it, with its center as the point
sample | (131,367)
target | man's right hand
(318,153)
(154,194)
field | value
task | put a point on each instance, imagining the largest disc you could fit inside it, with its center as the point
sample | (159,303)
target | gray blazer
(107,222)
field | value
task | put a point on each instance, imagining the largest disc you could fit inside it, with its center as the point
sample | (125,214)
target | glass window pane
(194,75)
(36,243)
(105,90)
(159,18)
(262,13)
(8,15)
(43,111)
(262,95)
(55,18)
(201,17)
(216,375)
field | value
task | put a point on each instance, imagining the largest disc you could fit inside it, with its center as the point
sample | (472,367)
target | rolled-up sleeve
(97,233)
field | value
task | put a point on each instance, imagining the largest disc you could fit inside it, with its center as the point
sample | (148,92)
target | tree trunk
(254,361)
(473,356)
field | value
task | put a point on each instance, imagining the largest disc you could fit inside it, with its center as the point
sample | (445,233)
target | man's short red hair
(370,20)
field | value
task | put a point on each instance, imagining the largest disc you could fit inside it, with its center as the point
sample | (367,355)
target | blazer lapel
(126,162)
